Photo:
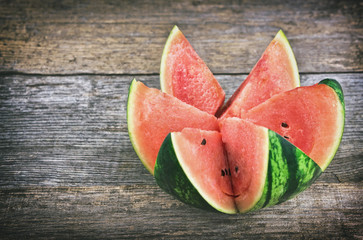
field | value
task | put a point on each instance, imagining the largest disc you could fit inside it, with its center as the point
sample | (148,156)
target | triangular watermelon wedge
(193,167)
(184,75)
(275,72)
(311,118)
(152,114)
(266,169)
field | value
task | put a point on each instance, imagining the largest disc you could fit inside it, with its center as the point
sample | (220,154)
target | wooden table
(67,167)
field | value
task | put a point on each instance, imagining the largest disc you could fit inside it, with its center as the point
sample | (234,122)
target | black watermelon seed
(222,173)
(285,125)
(286,137)
(204,142)
(226,171)
(236,168)
(229,172)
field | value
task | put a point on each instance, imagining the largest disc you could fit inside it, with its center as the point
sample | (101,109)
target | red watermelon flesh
(184,75)
(247,160)
(202,157)
(151,115)
(275,72)
(311,118)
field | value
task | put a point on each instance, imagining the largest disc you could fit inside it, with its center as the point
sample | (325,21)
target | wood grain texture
(72,130)
(127,37)
(324,211)
(68,170)
(67,167)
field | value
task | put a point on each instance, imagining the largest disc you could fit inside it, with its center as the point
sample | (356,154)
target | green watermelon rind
(334,84)
(130,125)
(290,171)
(171,177)
(164,57)
(292,60)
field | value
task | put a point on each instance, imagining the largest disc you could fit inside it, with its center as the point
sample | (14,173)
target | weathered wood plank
(123,37)
(67,168)
(72,130)
(324,211)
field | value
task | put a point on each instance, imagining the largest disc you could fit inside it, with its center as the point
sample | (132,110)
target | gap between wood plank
(11,73)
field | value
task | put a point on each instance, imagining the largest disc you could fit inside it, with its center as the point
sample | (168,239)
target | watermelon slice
(311,118)
(272,141)
(275,72)
(184,75)
(247,149)
(192,166)
(151,115)
(262,168)
(266,169)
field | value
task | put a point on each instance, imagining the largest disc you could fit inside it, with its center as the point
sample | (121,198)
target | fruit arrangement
(270,141)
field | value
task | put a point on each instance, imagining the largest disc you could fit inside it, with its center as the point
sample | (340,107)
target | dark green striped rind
(334,84)
(171,178)
(290,171)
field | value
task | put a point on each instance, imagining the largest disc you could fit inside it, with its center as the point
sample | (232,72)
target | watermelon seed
(285,125)
(286,137)
(204,142)
(236,168)
(229,171)
(226,171)
(222,173)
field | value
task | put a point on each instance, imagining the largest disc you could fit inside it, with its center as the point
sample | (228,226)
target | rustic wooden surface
(67,167)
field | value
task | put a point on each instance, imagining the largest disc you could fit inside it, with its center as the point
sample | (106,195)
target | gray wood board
(72,130)
(67,169)
(324,211)
(127,37)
